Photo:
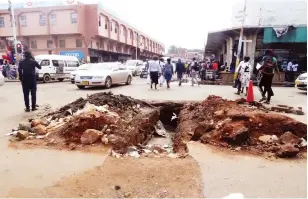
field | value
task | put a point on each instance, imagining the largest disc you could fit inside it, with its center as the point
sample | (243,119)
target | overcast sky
(183,23)
(180,22)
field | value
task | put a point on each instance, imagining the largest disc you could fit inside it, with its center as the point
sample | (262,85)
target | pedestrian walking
(154,71)
(289,73)
(215,69)
(244,75)
(162,66)
(180,70)
(267,70)
(194,72)
(27,76)
(168,71)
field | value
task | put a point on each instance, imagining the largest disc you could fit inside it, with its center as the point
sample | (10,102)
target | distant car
(1,79)
(103,74)
(134,66)
(83,67)
(301,82)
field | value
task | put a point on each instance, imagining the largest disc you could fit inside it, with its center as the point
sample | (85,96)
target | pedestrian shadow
(302,92)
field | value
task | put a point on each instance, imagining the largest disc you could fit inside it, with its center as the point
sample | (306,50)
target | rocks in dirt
(289,138)
(22,135)
(237,137)
(40,129)
(90,136)
(268,138)
(287,151)
(39,121)
(25,126)
(160,129)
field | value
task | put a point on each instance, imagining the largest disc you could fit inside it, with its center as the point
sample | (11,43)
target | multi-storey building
(84,30)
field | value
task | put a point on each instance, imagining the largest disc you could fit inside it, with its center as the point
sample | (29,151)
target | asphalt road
(252,176)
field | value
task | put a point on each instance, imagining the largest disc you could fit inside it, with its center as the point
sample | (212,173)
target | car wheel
(73,82)
(46,78)
(81,87)
(61,79)
(129,80)
(108,82)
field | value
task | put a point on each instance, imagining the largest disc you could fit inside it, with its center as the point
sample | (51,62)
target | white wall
(271,13)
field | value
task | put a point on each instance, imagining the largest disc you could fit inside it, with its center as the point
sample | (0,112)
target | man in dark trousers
(180,70)
(27,76)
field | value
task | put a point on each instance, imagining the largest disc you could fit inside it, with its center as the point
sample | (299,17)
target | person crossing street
(180,70)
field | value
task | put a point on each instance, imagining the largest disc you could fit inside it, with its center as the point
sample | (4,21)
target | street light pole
(11,10)
(136,45)
(240,41)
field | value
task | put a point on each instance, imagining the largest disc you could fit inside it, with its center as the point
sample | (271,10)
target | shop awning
(294,35)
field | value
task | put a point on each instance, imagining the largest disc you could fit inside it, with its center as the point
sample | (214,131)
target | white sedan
(83,67)
(301,82)
(103,74)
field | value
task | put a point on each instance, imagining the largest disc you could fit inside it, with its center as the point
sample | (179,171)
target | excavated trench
(122,122)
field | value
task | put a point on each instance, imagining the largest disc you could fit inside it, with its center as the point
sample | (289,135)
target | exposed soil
(119,122)
(227,124)
(127,177)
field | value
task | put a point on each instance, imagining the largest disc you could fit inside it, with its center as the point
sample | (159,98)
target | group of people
(290,70)
(265,75)
(160,72)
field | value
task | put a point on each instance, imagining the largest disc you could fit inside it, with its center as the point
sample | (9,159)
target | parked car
(83,67)
(103,74)
(56,67)
(1,79)
(301,82)
(134,66)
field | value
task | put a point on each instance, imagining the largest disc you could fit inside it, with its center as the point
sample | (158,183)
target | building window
(115,29)
(78,43)
(49,43)
(62,43)
(106,24)
(97,44)
(110,26)
(2,45)
(74,17)
(130,34)
(42,19)
(225,47)
(99,21)
(1,22)
(33,45)
(53,19)
(23,21)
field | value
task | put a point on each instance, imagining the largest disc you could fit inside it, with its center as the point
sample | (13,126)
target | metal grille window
(78,43)
(49,43)
(23,21)
(106,24)
(33,45)
(42,19)
(62,43)
(99,21)
(1,22)
(53,19)
(74,17)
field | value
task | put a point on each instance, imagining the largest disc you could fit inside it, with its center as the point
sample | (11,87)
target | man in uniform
(27,76)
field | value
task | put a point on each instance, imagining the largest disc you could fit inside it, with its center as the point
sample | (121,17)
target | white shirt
(154,66)
(238,67)
(289,66)
(294,67)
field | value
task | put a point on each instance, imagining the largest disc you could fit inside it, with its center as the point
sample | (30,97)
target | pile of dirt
(225,123)
(119,103)
(127,125)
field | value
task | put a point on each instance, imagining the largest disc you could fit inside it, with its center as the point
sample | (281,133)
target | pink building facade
(83,30)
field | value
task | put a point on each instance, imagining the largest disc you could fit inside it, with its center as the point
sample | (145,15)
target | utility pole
(136,45)
(12,16)
(240,41)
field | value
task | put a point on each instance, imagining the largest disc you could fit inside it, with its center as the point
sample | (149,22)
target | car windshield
(85,67)
(131,63)
(102,66)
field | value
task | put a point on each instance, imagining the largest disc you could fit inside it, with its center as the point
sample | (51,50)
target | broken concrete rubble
(287,151)
(121,122)
(90,136)
(289,138)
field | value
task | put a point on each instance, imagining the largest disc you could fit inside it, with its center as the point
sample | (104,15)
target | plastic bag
(161,80)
